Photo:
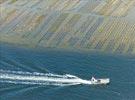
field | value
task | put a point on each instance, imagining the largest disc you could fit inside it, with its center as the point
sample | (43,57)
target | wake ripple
(19,77)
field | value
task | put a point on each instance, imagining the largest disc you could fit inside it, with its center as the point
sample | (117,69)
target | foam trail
(19,77)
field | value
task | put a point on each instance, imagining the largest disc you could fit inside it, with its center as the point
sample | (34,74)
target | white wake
(19,77)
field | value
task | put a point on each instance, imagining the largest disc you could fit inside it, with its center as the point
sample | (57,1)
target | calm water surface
(120,69)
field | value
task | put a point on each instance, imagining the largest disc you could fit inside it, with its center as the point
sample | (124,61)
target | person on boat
(93,79)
